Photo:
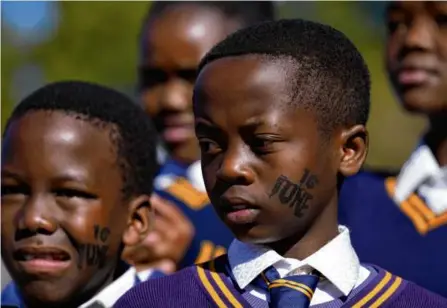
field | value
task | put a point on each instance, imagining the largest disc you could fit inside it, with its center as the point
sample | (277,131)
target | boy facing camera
(78,161)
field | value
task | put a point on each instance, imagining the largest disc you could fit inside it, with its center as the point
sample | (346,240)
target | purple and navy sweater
(211,285)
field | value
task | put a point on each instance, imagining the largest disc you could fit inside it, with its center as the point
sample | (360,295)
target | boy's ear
(353,150)
(139,220)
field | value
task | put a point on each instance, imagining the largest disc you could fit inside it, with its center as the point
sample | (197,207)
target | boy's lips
(415,74)
(177,128)
(239,211)
(42,260)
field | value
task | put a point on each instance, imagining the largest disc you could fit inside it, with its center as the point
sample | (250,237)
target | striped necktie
(292,291)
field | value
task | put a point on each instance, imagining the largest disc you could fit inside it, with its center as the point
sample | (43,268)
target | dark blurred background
(97,41)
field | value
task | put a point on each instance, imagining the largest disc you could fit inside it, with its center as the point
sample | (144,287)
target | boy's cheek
(294,194)
(96,247)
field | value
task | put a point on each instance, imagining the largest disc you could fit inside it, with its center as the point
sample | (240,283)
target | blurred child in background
(175,36)
(399,220)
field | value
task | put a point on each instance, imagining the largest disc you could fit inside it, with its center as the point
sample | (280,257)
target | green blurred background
(97,41)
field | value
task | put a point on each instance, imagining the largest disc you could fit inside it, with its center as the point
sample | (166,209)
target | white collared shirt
(423,175)
(336,261)
(195,177)
(109,295)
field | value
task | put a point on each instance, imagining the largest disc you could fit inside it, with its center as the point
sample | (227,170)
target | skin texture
(61,189)
(167,73)
(416,60)
(167,242)
(417,41)
(168,70)
(250,136)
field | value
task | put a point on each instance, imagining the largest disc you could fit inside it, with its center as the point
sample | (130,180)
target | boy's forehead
(248,75)
(58,128)
(186,25)
(247,89)
(46,145)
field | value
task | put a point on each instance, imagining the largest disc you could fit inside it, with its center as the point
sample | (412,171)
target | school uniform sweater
(399,221)
(183,185)
(229,281)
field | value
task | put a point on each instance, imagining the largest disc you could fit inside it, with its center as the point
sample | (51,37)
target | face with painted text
(267,170)
(63,214)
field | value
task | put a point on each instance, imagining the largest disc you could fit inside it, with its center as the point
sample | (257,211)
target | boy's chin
(48,293)
(258,235)
(422,101)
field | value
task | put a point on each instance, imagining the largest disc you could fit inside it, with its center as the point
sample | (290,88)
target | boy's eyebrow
(7,173)
(70,177)
(205,126)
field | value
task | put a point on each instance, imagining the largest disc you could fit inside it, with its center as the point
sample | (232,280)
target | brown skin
(167,242)
(60,178)
(172,46)
(417,38)
(249,136)
(167,73)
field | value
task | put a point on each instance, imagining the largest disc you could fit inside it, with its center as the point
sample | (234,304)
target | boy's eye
(10,190)
(188,74)
(441,20)
(151,77)
(392,26)
(261,146)
(208,147)
(73,193)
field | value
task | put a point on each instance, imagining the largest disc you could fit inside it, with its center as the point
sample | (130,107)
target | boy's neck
(322,231)
(436,137)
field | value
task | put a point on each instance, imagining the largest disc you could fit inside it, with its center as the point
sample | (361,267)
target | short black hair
(330,75)
(245,12)
(132,132)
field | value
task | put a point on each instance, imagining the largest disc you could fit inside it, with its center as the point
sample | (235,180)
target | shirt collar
(336,261)
(194,175)
(421,169)
(109,295)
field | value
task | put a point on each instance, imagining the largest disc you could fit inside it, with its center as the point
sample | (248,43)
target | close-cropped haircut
(131,131)
(329,77)
(245,12)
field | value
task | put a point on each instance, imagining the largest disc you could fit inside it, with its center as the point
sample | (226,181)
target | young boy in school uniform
(399,220)
(280,113)
(167,71)
(78,161)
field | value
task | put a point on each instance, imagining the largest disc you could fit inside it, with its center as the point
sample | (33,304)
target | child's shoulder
(371,175)
(178,289)
(367,184)
(388,290)
(416,296)
(10,296)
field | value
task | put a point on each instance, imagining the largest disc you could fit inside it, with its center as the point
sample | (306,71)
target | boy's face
(172,47)
(62,211)
(266,168)
(417,54)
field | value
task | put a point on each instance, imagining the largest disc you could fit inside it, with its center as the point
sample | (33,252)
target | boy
(280,112)
(78,162)
(399,221)
(167,72)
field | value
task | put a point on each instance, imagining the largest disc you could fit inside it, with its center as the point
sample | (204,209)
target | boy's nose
(235,169)
(36,217)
